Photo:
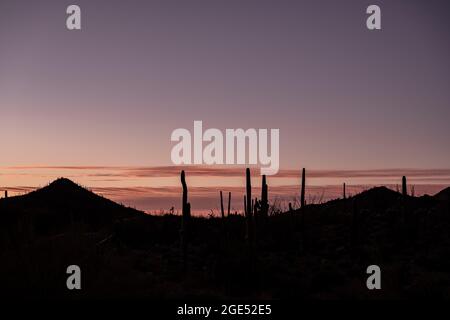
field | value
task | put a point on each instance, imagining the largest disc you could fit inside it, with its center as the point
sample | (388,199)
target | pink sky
(99,105)
(156,189)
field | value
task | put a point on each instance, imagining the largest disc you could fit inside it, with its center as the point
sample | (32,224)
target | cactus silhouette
(221,205)
(245,206)
(6,193)
(249,206)
(186,215)
(404,187)
(256,208)
(264,198)
(302,194)
(248,188)
(343,190)
(256,205)
(302,217)
(229,203)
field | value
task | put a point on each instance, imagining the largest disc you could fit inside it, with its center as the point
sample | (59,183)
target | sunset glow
(157,189)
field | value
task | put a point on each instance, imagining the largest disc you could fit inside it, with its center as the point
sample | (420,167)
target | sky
(344,98)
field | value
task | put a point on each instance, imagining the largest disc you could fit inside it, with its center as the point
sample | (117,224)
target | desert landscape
(316,251)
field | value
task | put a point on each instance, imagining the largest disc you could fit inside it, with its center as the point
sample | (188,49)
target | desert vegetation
(308,251)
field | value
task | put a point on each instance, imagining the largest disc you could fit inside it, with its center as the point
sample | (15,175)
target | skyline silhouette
(156,189)
(315,251)
(109,96)
(95,117)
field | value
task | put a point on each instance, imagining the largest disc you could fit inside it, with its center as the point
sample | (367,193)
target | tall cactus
(6,193)
(185,209)
(404,187)
(264,198)
(221,205)
(245,206)
(257,208)
(249,206)
(186,215)
(248,192)
(229,203)
(223,226)
(302,194)
(343,190)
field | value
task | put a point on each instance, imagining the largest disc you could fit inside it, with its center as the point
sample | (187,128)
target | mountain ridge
(62,203)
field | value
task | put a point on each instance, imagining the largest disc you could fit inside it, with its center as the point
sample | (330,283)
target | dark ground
(320,252)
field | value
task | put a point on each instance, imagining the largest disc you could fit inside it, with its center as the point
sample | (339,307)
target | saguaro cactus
(185,209)
(343,190)
(186,214)
(264,198)
(257,208)
(248,189)
(404,187)
(229,203)
(302,194)
(249,205)
(245,206)
(6,193)
(221,205)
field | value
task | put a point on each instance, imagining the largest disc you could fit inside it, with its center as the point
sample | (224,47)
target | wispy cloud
(227,171)
(141,188)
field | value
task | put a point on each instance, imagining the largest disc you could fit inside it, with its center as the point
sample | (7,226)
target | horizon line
(235,170)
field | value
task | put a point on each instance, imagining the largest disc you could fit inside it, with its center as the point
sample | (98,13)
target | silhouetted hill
(443,195)
(60,204)
(377,198)
(382,198)
(378,193)
(374,198)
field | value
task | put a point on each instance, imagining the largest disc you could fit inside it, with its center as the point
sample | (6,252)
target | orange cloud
(235,171)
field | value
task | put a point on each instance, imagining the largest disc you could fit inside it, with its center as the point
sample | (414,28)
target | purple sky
(342,96)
